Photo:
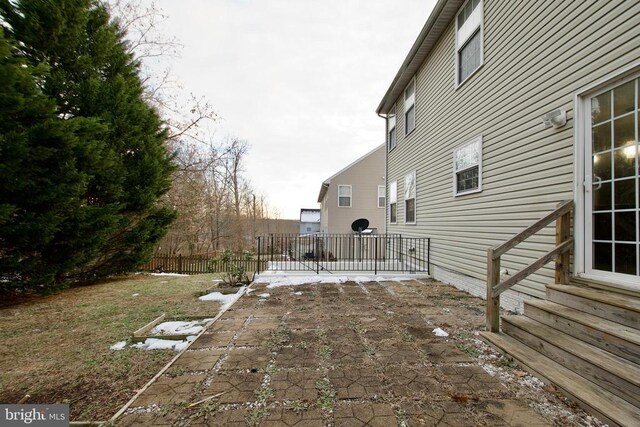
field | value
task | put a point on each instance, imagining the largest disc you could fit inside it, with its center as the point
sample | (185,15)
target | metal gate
(344,253)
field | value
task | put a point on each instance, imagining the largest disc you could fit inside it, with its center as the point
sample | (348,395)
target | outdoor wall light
(556,119)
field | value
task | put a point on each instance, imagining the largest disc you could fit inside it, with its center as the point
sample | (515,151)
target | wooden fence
(199,264)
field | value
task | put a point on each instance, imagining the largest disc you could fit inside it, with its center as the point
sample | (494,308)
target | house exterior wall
(309,227)
(309,221)
(364,177)
(537,57)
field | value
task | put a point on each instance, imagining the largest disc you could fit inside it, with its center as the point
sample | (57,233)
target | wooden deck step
(623,309)
(611,372)
(615,338)
(595,400)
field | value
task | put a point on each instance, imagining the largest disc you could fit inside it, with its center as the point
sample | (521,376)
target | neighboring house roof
(442,14)
(325,185)
(309,215)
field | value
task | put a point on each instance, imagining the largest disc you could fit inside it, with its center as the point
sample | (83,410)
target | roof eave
(323,190)
(437,22)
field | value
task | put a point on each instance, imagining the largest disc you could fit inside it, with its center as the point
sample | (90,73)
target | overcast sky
(298,79)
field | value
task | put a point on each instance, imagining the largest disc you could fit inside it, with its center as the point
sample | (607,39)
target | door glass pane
(602,256)
(624,162)
(602,137)
(602,226)
(602,196)
(616,185)
(626,258)
(601,108)
(602,166)
(625,194)
(624,131)
(625,225)
(623,98)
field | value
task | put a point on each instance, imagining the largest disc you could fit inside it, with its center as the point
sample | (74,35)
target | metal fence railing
(344,252)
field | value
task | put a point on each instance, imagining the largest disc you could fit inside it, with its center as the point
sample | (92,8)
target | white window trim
(350,196)
(393,198)
(415,199)
(461,42)
(382,189)
(475,140)
(407,106)
(392,125)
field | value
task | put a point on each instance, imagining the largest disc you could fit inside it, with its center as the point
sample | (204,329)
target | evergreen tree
(99,186)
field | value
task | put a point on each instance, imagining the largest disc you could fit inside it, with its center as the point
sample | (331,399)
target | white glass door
(612,198)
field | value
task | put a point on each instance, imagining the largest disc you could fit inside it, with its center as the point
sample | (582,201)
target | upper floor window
(468,39)
(467,167)
(382,196)
(393,202)
(344,196)
(391,131)
(410,107)
(410,198)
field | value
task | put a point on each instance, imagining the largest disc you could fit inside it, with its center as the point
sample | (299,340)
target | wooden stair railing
(562,252)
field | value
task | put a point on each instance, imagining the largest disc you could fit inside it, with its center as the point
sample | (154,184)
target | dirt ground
(351,354)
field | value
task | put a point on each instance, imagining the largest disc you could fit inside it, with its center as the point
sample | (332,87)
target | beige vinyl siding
(364,176)
(537,56)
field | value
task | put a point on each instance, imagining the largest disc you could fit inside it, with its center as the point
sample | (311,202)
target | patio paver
(336,355)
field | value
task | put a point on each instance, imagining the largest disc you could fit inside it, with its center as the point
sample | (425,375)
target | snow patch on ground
(120,345)
(179,327)
(159,344)
(297,293)
(224,300)
(440,333)
(135,295)
(265,295)
(278,280)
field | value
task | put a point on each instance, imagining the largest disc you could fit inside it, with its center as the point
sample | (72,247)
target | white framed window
(344,196)
(382,196)
(391,131)
(467,167)
(410,198)
(393,202)
(410,107)
(469,43)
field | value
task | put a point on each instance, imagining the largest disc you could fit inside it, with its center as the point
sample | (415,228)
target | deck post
(563,232)
(493,301)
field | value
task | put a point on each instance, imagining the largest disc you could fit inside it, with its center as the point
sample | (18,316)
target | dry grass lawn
(56,348)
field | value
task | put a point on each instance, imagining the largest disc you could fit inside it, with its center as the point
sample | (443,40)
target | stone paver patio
(335,355)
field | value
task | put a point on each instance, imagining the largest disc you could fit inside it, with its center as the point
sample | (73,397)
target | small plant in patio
(468,350)
(171,407)
(206,410)
(326,394)
(264,394)
(506,363)
(369,349)
(407,336)
(297,406)
(256,415)
(355,326)
(279,337)
(325,351)
(302,344)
